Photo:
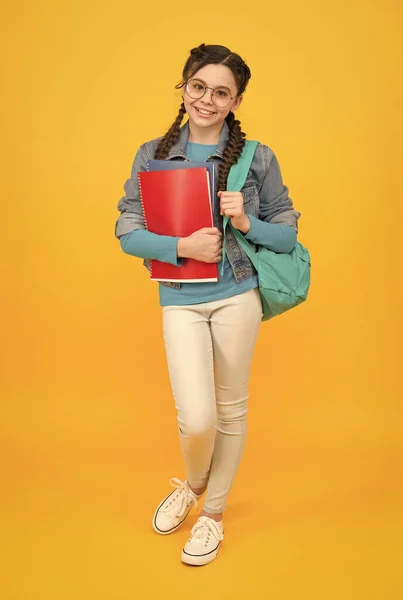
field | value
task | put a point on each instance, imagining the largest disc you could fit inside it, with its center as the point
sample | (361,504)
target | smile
(205,113)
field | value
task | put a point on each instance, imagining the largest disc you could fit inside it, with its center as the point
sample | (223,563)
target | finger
(227,210)
(231,207)
(231,203)
(232,213)
(231,195)
(211,231)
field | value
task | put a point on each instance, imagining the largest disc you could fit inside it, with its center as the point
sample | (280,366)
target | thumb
(211,230)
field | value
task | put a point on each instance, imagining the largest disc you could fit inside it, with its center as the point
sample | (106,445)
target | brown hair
(200,57)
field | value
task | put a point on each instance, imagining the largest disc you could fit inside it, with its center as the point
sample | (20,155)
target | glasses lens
(221,97)
(195,88)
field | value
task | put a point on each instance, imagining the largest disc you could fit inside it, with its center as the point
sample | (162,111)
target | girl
(210,329)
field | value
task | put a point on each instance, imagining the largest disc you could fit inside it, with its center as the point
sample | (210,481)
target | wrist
(183,247)
(244,226)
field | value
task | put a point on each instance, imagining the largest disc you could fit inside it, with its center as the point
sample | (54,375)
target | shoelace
(202,528)
(184,498)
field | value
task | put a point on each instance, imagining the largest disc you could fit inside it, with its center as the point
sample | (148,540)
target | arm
(275,204)
(144,244)
(130,227)
(277,226)
(203,245)
(131,213)
(274,236)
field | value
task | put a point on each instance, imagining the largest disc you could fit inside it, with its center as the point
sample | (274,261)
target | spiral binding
(144,215)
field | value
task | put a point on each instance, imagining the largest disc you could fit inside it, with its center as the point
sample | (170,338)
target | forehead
(216,76)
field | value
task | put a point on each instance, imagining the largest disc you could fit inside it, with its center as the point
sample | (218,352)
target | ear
(237,103)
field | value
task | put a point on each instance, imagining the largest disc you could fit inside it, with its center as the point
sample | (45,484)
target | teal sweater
(144,244)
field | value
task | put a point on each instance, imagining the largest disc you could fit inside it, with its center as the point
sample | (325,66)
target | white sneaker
(204,542)
(174,509)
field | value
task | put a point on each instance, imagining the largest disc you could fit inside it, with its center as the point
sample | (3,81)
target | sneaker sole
(199,561)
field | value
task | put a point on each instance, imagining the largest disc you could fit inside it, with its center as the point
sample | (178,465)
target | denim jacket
(265,196)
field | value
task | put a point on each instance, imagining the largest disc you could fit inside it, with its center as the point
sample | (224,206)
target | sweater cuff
(253,233)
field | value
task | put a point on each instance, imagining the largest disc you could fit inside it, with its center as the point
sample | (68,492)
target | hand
(232,206)
(204,245)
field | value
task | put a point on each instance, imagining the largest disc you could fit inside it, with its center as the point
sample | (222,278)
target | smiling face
(203,113)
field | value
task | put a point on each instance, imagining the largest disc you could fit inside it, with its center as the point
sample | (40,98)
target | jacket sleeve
(131,213)
(275,204)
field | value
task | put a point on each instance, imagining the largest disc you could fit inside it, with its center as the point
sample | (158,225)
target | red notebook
(178,203)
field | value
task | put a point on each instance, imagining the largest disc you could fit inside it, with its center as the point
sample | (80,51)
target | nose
(208,96)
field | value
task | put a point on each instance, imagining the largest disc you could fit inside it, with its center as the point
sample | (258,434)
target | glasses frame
(205,90)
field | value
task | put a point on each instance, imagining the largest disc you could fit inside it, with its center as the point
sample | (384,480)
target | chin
(201,123)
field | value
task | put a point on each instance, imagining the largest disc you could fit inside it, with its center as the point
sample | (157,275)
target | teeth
(204,112)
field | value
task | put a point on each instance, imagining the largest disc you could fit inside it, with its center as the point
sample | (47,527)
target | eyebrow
(216,88)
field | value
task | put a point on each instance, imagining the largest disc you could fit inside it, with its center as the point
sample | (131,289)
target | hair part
(200,57)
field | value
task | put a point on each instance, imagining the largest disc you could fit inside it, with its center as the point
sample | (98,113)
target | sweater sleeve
(145,244)
(274,236)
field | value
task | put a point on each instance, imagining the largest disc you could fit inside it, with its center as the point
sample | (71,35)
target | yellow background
(88,427)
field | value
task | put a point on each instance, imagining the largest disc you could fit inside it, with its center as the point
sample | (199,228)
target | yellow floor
(312,513)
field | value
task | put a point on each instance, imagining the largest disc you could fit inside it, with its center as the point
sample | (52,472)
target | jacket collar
(179,149)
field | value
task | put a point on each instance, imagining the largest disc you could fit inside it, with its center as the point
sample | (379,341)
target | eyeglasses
(221,96)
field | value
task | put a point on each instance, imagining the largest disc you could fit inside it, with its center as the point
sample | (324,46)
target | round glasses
(220,96)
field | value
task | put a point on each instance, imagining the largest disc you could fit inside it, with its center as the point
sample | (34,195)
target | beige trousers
(209,351)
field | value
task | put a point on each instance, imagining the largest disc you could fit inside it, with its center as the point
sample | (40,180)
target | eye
(222,93)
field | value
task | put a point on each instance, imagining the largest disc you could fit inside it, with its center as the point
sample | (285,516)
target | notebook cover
(177,203)
(165,165)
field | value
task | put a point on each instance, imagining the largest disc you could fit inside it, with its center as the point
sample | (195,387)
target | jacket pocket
(251,200)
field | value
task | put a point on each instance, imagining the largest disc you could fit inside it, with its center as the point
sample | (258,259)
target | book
(177,203)
(164,165)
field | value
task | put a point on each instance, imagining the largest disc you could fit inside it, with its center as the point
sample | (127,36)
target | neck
(204,135)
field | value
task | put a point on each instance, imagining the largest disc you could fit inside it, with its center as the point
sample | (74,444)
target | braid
(171,136)
(232,152)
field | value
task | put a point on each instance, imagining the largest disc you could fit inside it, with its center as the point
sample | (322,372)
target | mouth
(204,113)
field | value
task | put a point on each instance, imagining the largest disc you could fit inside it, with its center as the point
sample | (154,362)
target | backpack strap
(235,182)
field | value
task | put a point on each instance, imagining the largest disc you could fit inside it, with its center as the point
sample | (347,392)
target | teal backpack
(284,279)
